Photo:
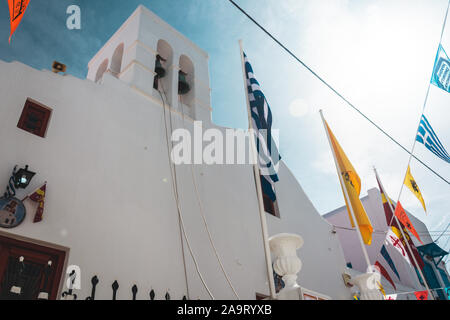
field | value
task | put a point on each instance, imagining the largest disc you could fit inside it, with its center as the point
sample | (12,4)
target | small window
(270,206)
(349,265)
(260,296)
(35,118)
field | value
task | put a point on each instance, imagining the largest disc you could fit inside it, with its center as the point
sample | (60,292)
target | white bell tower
(130,55)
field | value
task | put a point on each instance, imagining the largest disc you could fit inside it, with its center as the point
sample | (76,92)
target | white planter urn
(287,264)
(366,284)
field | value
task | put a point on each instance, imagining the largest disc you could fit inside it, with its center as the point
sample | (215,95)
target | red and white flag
(393,239)
(390,297)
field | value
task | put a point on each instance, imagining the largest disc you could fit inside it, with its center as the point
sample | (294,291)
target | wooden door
(27,269)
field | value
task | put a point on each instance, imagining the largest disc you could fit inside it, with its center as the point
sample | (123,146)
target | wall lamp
(22,178)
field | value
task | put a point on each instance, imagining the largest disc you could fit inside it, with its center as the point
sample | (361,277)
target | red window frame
(41,114)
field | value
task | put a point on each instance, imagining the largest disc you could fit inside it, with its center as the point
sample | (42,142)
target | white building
(435,273)
(110,208)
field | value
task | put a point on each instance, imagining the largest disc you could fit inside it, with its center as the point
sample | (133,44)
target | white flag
(390,297)
(393,239)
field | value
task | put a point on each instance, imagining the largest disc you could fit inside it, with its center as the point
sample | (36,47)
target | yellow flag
(397,232)
(381,288)
(352,183)
(410,182)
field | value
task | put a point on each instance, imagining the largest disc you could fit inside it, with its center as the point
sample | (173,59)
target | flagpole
(412,151)
(256,172)
(403,235)
(424,105)
(347,198)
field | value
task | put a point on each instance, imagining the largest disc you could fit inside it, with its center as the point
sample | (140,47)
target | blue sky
(378,53)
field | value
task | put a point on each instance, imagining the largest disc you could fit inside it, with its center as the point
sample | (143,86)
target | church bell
(183,85)
(159,70)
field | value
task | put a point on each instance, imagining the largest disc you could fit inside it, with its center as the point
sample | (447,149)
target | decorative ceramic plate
(12,212)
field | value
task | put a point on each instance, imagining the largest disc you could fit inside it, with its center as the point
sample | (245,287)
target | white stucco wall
(105,161)
(109,196)
(110,201)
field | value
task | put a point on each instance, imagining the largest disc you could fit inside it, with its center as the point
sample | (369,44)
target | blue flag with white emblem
(441,71)
(268,156)
(430,140)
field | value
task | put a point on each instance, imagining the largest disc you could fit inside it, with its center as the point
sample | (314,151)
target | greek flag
(426,136)
(268,156)
(441,71)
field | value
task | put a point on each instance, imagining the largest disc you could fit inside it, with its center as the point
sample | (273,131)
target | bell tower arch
(149,55)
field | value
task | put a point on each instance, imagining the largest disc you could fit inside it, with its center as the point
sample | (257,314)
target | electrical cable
(408,292)
(412,154)
(423,111)
(176,196)
(340,95)
(334,90)
(201,206)
(446,233)
(179,220)
(442,233)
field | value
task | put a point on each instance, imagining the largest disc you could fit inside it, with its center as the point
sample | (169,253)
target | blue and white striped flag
(428,137)
(441,71)
(268,156)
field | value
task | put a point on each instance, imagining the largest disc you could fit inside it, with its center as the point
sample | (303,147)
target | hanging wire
(446,258)
(342,97)
(431,232)
(200,205)
(335,91)
(423,109)
(443,232)
(194,180)
(415,141)
(177,200)
(408,292)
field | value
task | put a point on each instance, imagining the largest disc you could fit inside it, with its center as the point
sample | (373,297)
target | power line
(173,175)
(445,231)
(334,90)
(446,258)
(431,233)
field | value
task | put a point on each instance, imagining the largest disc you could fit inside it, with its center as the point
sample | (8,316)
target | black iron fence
(115,288)
(26,280)
(70,295)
